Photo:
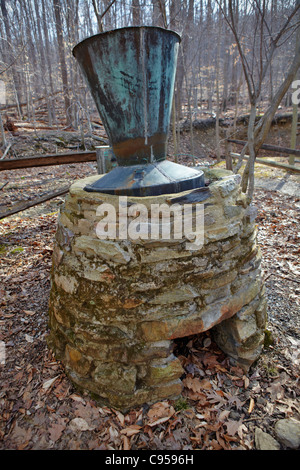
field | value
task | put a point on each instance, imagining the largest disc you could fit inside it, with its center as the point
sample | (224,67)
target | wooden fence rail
(22,206)
(44,160)
(272,148)
(48,160)
(283,166)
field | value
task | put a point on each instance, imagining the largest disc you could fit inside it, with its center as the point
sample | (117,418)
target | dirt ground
(220,407)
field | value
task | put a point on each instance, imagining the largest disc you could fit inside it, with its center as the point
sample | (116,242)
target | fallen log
(35,100)
(272,148)
(205,124)
(26,125)
(48,160)
(280,118)
(22,206)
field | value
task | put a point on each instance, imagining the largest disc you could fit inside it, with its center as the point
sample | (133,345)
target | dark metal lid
(148,180)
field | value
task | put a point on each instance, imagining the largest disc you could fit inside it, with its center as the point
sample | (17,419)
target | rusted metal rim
(115,31)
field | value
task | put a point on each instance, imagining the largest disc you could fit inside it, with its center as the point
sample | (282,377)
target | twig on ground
(6,152)
(283,277)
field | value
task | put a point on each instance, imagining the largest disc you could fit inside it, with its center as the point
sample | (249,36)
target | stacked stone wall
(116,306)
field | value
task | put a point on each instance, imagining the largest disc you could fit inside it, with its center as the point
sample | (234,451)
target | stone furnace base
(117,305)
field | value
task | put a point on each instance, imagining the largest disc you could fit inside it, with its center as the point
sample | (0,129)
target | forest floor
(221,407)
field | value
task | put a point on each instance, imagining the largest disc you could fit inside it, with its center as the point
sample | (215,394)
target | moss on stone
(181,404)
(3,249)
(269,338)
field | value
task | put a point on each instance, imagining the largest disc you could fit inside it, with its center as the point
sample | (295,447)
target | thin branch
(15,59)
(98,17)
(163,13)
(107,8)
(283,29)
(6,152)
(245,65)
(263,16)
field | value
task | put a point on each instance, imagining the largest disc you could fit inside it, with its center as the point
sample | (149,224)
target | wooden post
(294,133)
(4,142)
(101,166)
(228,156)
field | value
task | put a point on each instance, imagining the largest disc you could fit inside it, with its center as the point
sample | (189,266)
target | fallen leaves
(80,424)
(217,390)
(57,429)
(29,312)
(49,383)
(194,387)
(131,430)
(159,413)
(235,427)
(120,417)
(21,437)
(251,405)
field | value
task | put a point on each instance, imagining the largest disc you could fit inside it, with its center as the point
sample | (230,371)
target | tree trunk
(4,141)
(136,13)
(218,89)
(98,16)
(295,105)
(61,52)
(158,14)
(248,174)
(263,126)
(258,133)
(7,55)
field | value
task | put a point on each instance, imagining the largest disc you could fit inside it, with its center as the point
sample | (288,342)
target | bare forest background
(233,58)
(238,63)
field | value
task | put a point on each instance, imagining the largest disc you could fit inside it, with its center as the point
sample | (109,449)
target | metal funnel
(131,73)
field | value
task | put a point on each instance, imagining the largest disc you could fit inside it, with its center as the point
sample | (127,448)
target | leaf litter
(220,406)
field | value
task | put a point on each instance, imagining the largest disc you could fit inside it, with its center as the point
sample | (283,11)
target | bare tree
(295,105)
(159,16)
(264,46)
(61,53)
(136,13)
(100,16)
(215,66)
(7,52)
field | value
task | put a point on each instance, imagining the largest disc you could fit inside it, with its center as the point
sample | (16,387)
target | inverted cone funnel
(131,75)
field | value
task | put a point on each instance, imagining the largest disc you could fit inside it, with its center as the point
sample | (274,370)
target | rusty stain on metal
(131,76)
(141,150)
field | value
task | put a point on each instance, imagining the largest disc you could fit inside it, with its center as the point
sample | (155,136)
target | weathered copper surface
(131,76)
